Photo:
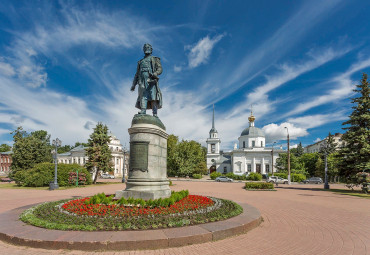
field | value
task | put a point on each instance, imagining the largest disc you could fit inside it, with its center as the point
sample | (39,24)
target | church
(250,156)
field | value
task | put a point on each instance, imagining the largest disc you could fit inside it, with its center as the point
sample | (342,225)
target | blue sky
(66,65)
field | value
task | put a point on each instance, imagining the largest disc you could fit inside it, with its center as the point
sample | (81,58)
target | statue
(149,94)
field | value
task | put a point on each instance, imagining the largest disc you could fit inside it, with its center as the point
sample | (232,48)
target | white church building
(250,156)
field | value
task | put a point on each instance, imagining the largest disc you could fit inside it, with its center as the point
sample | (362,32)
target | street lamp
(324,147)
(56,143)
(272,159)
(287,130)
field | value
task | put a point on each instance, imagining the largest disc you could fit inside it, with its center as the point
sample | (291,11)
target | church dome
(252,131)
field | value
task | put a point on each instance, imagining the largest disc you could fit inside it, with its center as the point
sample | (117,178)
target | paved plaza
(297,220)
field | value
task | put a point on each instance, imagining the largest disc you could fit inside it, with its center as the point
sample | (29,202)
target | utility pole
(272,159)
(289,182)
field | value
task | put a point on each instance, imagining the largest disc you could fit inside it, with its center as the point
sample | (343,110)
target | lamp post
(272,159)
(56,143)
(324,147)
(287,130)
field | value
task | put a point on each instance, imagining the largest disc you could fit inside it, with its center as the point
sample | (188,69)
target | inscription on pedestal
(139,156)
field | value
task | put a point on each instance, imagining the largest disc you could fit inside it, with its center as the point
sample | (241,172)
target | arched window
(261,144)
(253,143)
(243,144)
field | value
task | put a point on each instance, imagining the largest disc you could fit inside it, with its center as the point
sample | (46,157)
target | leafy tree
(355,154)
(30,149)
(185,158)
(4,148)
(297,151)
(83,144)
(65,148)
(296,165)
(309,160)
(98,152)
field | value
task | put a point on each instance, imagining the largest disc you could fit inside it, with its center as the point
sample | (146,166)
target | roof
(252,131)
(79,148)
(224,159)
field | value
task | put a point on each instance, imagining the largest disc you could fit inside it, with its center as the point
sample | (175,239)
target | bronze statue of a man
(149,94)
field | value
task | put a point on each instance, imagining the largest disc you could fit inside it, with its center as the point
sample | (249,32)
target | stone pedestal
(147,178)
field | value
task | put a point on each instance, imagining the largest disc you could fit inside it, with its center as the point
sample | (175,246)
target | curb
(16,232)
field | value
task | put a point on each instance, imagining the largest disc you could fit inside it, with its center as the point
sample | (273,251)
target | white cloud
(271,50)
(311,121)
(275,132)
(177,69)
(199,53)
(6,69)
(4,131)
(342,90)
(317,140)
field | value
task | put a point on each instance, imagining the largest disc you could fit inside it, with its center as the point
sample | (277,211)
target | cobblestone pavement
(297,220)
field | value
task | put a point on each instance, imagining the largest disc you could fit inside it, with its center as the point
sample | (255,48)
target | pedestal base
(147,178)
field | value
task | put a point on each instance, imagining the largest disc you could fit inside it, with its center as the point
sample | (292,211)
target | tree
(296,165)
(30,149)
(98,152)
(184,158)
(4,148)
(355,154)
(298,152)
(65,148)
(330,146)
(309,160)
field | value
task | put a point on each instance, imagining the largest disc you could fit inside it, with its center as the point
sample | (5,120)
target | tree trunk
(96,175)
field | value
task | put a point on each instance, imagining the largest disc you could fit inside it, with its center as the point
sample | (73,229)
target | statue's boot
(144,103)
(155,108)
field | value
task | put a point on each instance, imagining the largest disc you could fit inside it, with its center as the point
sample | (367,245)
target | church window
(261,144)
(213,148)
(225,169)
(267,166)
(253,143)
(249,167)
(243,144)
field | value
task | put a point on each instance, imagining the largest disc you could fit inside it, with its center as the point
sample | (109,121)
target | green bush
(298,177)
(161,202)
(254,177)
(214,175)
(281,175)
(43,173)
(197,176)
(259,185)
(235,176)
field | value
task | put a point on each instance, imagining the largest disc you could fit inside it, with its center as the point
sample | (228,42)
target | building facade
(120,158)
(337,137)
(5,162)
(249,155)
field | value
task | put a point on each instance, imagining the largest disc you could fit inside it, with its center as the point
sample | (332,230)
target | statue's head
(147,48)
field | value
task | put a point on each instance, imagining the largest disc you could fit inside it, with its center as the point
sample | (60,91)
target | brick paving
(297,220)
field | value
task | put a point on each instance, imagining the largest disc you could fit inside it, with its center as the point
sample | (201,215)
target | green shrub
(235,176)
(281,175)
(161,202)
(298,177)
(254,177)
(197,176)
(214,175)
(43,173)
(170,183)
(259,185)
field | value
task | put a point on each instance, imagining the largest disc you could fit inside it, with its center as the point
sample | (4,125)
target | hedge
(254,177)
(281,175)
(43,173)
(298,177)
(197,176)
(259,185)
(214,175)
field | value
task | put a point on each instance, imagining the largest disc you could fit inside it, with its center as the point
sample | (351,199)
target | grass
(48,215)
(15,186)
(356,193)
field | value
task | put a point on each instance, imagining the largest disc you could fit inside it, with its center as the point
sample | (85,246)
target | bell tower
(213,144)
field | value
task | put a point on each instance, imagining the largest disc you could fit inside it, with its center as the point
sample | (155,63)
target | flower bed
(79,214)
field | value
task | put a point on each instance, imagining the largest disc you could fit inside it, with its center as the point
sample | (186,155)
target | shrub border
(16,232)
